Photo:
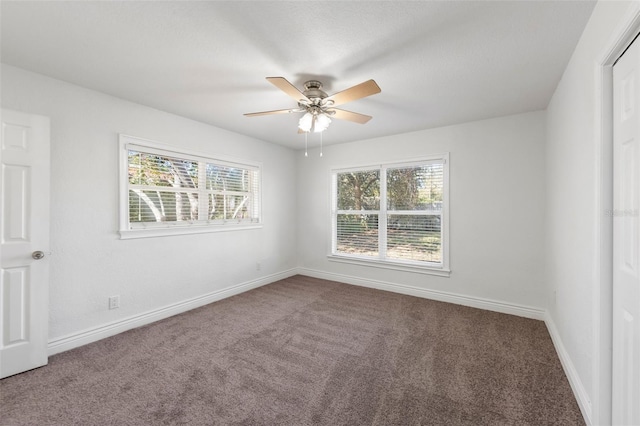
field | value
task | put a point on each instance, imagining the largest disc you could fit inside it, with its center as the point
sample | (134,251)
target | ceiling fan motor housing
(313,90)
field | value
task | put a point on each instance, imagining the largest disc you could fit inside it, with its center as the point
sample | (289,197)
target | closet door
(626,239)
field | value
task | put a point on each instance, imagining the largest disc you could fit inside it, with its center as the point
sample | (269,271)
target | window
(168,191)
(392,215)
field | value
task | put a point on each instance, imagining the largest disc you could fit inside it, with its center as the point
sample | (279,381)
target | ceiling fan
(320,107)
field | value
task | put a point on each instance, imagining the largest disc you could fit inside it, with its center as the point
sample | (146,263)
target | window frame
(130,230)
(432,268)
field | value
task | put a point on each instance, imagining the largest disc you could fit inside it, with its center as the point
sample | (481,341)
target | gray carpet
(304,351)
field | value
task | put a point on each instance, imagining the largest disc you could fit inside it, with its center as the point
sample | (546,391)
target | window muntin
(409,199)
(171,189)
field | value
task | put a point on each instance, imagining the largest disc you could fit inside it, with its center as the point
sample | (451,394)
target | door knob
(37,255)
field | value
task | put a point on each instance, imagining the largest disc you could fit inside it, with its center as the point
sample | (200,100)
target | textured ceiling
(438,63)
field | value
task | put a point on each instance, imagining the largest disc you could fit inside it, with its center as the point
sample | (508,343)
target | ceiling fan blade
(278,111)
(341,114)
(288,88)
(359,91)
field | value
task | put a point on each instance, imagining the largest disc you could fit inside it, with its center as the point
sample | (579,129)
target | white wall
(571,215)
(496,204)
(89,262)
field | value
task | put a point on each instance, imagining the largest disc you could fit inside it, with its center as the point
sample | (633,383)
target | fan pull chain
(305,144)
(321,143)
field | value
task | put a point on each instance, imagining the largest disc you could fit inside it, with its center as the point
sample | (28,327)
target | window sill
(397,266)
(181,230)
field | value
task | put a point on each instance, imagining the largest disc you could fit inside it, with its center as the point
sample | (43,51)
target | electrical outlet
(258,266)
(114,302)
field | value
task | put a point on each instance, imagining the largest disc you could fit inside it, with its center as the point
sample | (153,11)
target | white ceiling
(437,63)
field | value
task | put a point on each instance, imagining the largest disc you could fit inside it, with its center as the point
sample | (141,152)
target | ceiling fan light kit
(316,122)
(318,107)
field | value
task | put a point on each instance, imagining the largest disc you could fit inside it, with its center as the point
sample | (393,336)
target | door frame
(621,38)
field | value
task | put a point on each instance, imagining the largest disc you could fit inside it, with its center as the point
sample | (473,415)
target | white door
(24,241)
(626,239)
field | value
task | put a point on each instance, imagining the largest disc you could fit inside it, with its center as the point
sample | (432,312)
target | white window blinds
(393,213)
(177,189)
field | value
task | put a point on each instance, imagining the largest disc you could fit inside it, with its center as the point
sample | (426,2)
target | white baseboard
(84,337)
(442,296)
(570,371)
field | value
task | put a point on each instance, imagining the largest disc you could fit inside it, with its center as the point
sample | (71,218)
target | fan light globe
(305,122)
(322,122)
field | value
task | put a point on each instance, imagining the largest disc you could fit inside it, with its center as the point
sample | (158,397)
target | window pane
(162,206)
(224,178)
(359,190)
(412,237)
(415,188)
(357,234)
(237,207)
(158,170)
(216,207)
